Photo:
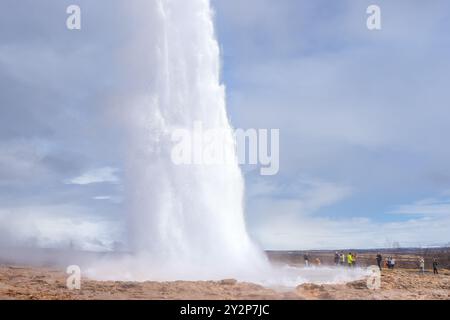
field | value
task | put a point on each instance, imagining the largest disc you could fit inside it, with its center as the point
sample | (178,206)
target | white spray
(185,221)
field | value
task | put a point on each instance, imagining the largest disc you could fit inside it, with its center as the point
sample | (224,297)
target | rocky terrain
(48,283)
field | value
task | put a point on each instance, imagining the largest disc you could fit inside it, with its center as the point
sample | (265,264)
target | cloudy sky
(364,119)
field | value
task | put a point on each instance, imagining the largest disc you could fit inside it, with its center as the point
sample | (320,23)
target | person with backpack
(336,258)
(350,259)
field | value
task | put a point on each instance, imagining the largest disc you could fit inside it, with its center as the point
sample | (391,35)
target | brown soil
(47,283)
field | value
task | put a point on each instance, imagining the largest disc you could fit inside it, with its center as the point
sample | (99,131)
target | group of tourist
(389,263)
(317,261)
(434,265)
(341,259)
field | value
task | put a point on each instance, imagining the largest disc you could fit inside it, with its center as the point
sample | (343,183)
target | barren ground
(50,283)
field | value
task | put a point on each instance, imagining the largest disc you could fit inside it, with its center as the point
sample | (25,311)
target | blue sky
(364,119)
(363,116)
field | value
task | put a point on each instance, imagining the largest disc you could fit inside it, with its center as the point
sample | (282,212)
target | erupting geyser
(185,221)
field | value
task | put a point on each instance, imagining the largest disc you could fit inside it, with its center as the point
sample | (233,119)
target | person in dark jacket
(306,258)
(435,266)
(379,260)
(336,258)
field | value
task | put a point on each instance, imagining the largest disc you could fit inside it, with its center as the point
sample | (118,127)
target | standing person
(379,259)
(422,265)
(342,258)
(336,258)
(306,258)
(392,263)
(389,262)
(353,259)
(349,259)
(435,265)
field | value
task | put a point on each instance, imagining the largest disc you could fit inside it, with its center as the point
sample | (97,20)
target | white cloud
(288,232)
(101,175)
(113,199)
(102,198)
(292,223)
(305,195)
(56,226)
(426,207)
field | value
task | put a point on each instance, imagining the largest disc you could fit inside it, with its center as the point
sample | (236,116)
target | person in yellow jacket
(349,259)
